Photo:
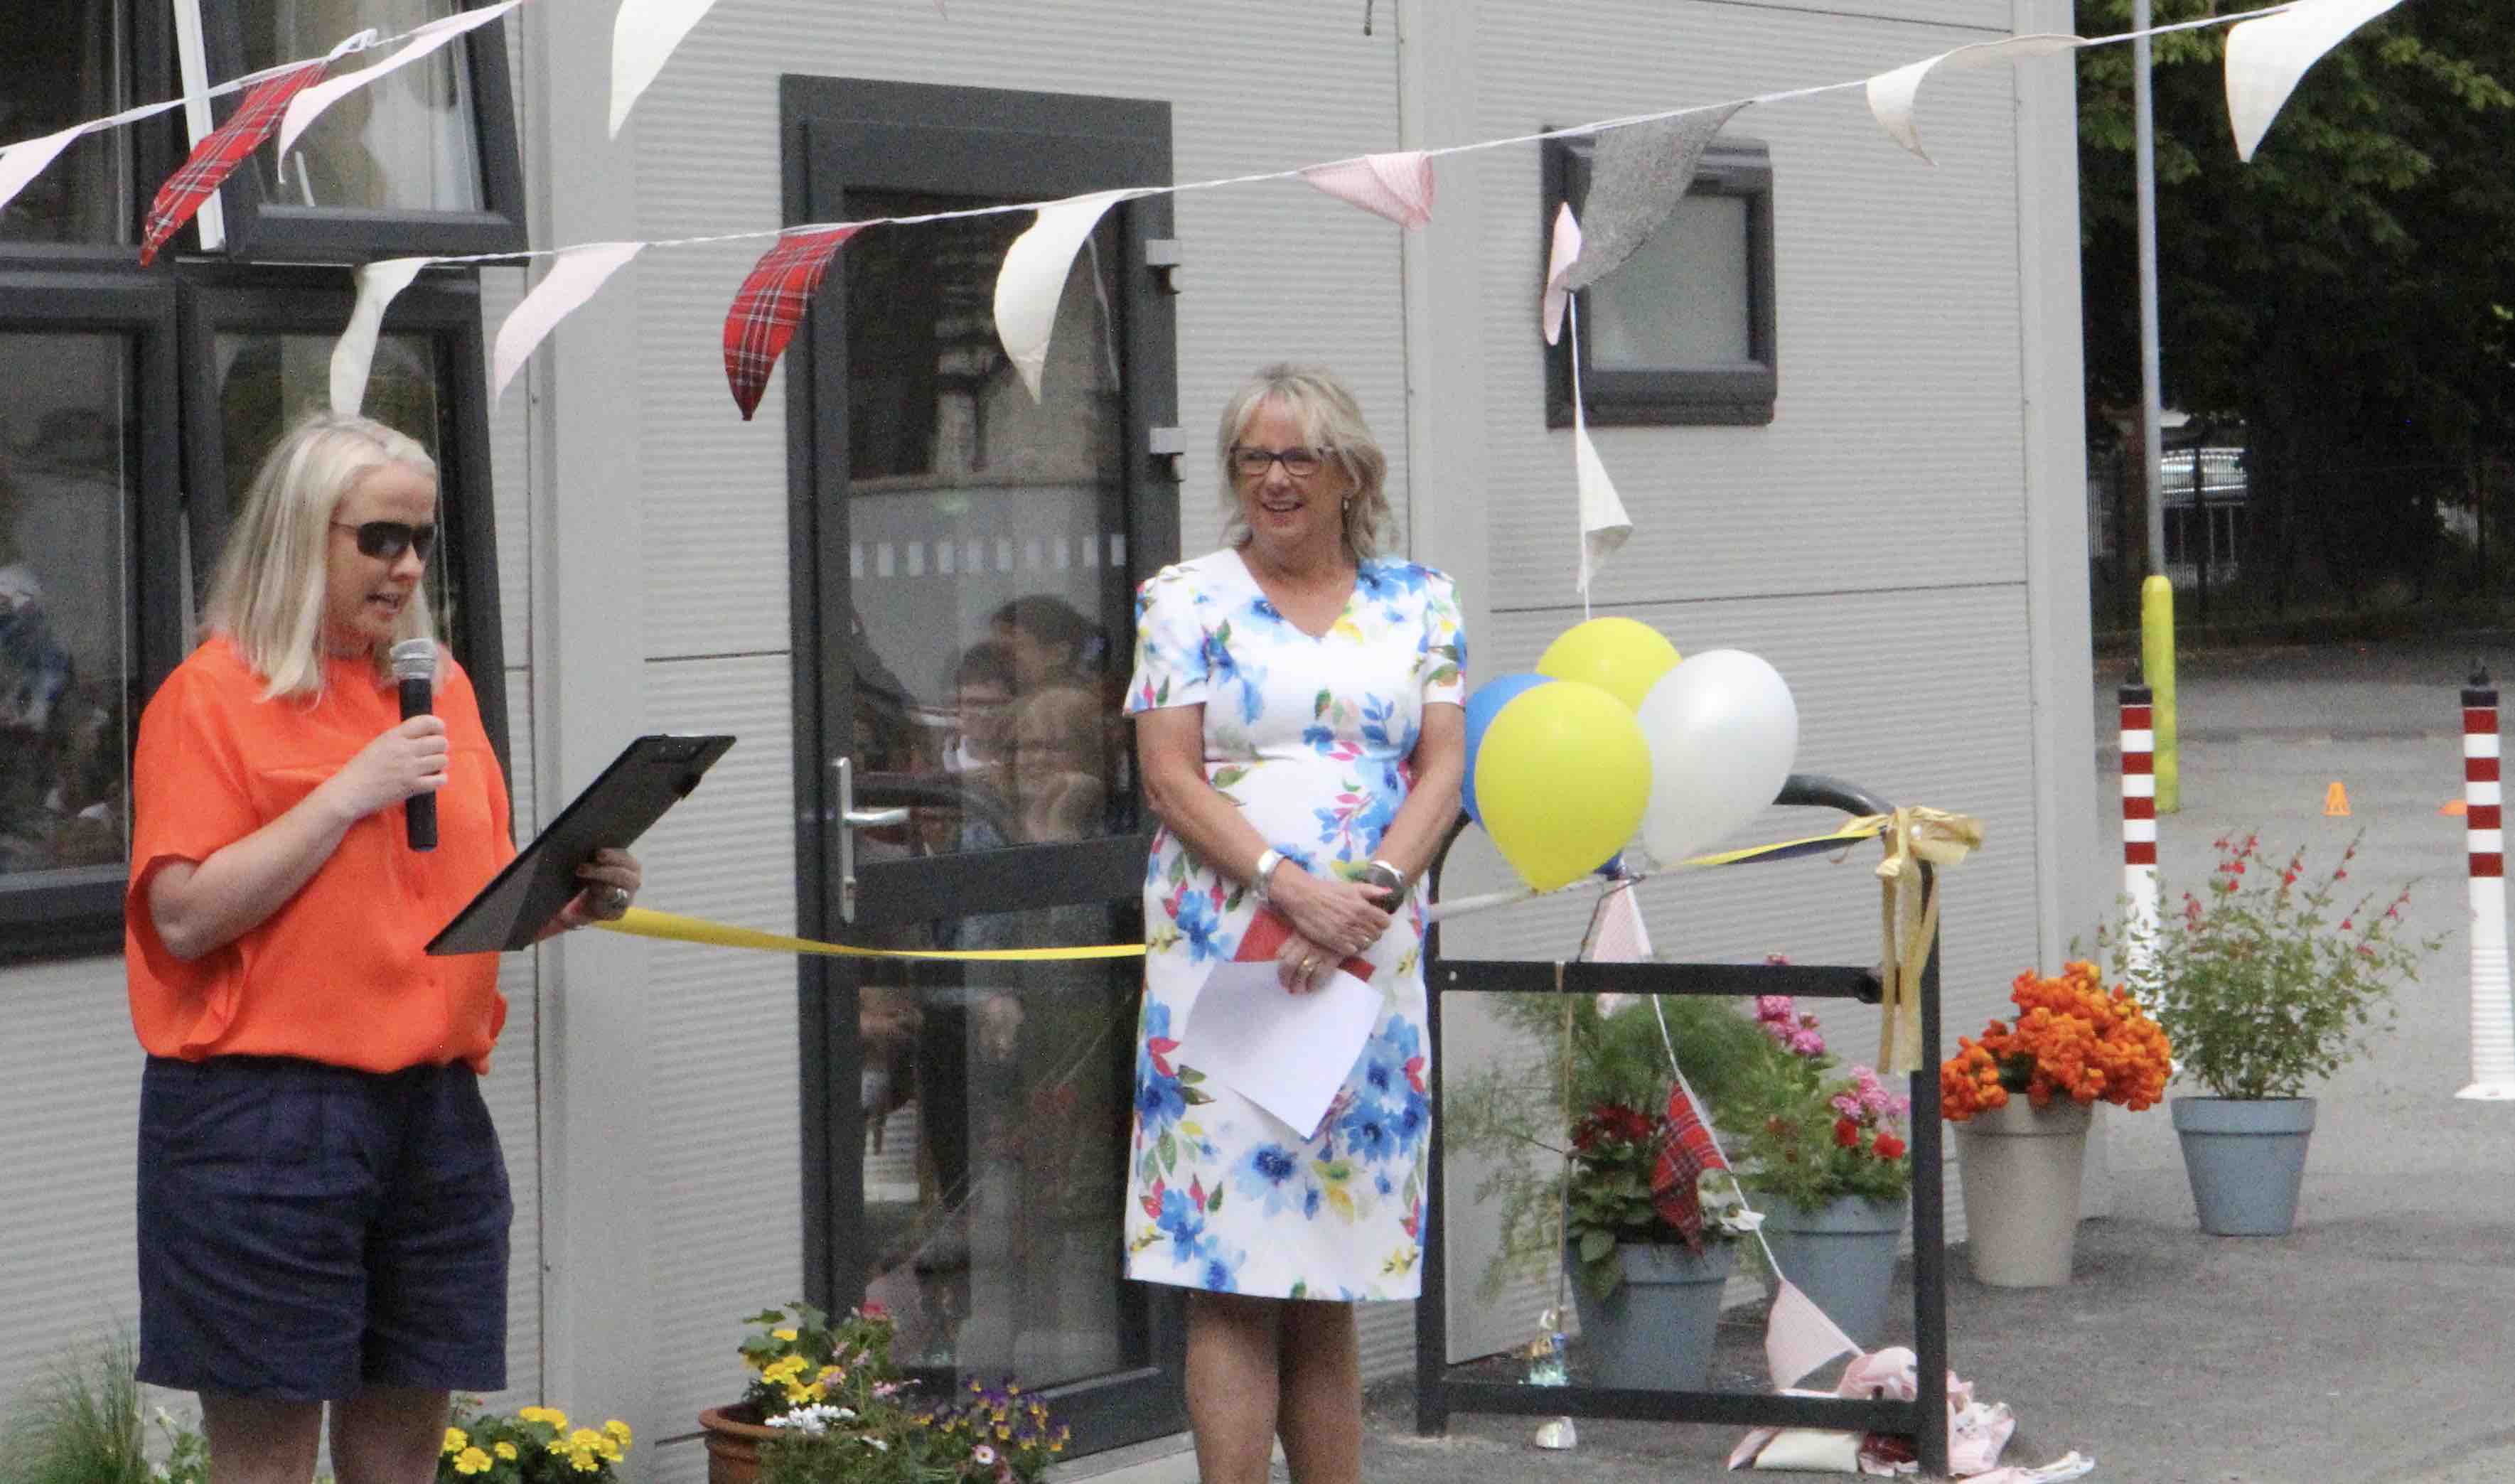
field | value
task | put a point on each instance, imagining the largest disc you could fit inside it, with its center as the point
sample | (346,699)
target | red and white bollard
(2139,825)
(2492,1014)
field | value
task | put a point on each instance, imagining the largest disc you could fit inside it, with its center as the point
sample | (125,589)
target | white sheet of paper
(1287,1054)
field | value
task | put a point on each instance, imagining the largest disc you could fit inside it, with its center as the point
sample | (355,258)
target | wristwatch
(1268,860)
(1387,878)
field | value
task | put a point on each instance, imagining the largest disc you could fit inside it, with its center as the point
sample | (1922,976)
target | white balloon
(1723,731)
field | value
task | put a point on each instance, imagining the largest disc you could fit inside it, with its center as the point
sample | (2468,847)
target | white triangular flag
(354,355)
(1397,187)
(25,160)
(1033,278)
(642,37)
(1605,525)
(2267,59)
(574,277)
(1891,94)
(1559,258)
(1799,1337)
(307,106)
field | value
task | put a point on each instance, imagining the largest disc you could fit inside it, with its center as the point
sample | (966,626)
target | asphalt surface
(2369,1344)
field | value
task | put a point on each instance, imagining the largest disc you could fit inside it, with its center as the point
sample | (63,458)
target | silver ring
(613,898)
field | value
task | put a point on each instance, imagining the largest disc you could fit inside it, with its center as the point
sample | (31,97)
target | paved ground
(2371,1344)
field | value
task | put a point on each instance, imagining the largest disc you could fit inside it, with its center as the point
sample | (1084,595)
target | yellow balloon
(1563,777)
(1621,656)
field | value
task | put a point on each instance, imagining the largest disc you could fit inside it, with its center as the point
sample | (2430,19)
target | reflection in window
(405,143)
(1683,299)
(65,481)
(988,540)
(62,63)
(267,382)
(996,1098)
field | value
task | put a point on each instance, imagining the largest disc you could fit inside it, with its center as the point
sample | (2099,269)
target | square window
(63,62)
(1684,331)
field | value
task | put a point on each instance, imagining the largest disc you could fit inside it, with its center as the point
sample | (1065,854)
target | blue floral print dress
(1312,738)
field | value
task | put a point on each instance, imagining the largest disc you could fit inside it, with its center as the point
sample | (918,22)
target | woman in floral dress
(1297,704)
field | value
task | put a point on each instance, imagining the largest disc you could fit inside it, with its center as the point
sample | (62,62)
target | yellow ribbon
(639,922)
(1908,919)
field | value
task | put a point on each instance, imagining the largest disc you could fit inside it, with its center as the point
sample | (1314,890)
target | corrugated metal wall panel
(1987,15)
(1273,272)
(512,1087)
(1896,451)
(728,1231)
(1387,1336)
(69,1101)
(508,452)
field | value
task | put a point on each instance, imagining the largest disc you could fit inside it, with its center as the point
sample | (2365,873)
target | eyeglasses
(1300,463)
(386,540)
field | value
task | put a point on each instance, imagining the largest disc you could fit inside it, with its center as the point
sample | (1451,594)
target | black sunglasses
(386,540)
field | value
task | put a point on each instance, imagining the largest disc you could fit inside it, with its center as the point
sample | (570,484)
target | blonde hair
(268,592)
(1330,420)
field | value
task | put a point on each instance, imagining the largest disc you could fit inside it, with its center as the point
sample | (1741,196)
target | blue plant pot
(1842,1254)
(2246,1160)
(1658,1328)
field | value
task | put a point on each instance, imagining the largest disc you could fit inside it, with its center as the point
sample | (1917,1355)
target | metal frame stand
(1926,1417)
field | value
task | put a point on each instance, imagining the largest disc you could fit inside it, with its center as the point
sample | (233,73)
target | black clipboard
(650,775)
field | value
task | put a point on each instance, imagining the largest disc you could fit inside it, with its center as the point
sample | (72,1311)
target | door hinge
(1165,257)
(1167,445)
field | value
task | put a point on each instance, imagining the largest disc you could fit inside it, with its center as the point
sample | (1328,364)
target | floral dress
(1311,738)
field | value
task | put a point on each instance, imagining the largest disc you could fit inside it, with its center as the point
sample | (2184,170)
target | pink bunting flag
(1565,252)
(1798,1336)
(1398,186)
(217,156)
(771,303)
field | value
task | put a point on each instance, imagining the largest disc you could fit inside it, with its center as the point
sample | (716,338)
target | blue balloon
(1483,705)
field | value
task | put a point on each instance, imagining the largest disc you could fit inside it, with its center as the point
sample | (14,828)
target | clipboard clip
(850,820)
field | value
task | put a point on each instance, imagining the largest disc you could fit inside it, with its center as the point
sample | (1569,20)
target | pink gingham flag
(771,303)
(216,157)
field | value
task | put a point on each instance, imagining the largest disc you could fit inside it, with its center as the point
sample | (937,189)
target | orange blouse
(340,973)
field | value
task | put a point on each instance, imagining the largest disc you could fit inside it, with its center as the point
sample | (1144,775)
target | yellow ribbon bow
(1909,919)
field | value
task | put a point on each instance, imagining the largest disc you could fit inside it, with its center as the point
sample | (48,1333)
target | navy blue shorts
(307,1231)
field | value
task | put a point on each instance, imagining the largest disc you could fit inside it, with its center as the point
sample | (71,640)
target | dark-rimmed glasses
(1300,463)
(386,540)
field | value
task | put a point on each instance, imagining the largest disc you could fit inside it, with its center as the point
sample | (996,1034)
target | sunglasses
(386,540)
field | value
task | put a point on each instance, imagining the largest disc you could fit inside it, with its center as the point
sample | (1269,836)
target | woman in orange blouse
(322,1204)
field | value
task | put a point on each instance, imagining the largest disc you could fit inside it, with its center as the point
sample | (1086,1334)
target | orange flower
(2073,1038)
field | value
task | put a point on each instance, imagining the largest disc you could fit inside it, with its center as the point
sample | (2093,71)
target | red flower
(1846,1133)
(1888,1147)
(1610,1121)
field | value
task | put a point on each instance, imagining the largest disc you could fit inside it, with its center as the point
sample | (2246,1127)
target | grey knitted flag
(1639,173)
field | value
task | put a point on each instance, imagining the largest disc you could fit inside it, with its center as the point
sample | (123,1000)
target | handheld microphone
(414,666)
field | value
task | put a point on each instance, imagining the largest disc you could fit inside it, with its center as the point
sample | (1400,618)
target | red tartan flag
(217,156)
(1687,1152)
(771,303)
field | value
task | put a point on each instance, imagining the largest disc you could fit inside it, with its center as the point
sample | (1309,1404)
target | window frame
(1726,395)
(256,227)
(154,147)
(446,308)
(83,918)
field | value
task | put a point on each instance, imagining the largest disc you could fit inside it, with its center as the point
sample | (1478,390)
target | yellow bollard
(2157,661)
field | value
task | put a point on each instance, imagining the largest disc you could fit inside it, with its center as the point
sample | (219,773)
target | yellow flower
(618,1429)
(584,1438)
(506,1451)
(550,1414)
(832,1372)
(584,1463)
(787,1335)
(470,1461)
(609,1450)
(455,1440)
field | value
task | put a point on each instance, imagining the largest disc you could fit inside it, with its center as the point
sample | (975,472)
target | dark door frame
(1008,146)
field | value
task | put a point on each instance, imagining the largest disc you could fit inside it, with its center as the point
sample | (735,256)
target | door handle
(851,819)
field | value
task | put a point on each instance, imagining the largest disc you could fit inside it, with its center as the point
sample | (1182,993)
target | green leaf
(1595,1245)
(1319,706)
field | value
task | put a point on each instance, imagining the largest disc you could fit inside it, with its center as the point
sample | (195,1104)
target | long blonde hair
(1330,419)
(267,593)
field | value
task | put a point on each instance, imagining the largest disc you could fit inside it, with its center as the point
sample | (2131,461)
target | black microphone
(414,664)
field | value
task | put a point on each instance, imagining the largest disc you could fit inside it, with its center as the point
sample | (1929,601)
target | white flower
(875,1443)
(982,1454)
(813,1421)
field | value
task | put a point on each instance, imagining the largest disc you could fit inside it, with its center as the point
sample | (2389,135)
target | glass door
(972,563)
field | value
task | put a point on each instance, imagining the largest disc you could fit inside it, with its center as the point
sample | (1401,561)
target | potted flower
(534,1444)
(827,1405)
(1649,1228)
(1822,1151)
(2268,982)
(2021,1096)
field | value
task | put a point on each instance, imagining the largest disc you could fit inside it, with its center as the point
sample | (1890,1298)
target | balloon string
(1579,430)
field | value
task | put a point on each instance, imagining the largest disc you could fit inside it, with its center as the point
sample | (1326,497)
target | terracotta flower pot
(733,1437)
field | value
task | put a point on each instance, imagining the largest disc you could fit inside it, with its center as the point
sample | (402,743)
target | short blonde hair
(1329,418)
(268,590)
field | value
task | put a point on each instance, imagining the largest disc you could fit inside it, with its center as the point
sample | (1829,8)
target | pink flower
(1845,1104)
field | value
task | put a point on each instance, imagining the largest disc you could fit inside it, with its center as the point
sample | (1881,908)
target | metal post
(2492,1018)
(2151,405)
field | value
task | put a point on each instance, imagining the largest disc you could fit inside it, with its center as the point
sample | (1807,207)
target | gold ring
(1309,965)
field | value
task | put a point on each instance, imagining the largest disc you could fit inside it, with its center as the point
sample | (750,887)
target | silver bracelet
(1396,883)
(1268,860)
